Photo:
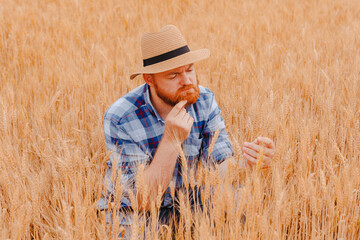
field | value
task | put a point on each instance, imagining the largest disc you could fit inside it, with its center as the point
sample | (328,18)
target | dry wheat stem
(291,74)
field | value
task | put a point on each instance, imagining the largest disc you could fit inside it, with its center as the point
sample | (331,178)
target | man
(147,125)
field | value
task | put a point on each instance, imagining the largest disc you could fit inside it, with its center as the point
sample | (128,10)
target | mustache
(187,87)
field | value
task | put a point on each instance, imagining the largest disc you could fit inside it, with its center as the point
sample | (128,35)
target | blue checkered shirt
(133,129)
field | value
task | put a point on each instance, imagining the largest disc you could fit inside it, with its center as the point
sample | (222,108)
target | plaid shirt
(133,129)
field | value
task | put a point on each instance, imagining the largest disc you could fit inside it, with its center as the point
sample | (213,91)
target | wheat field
(286,69)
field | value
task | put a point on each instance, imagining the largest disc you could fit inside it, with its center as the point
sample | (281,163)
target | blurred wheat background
(286,69)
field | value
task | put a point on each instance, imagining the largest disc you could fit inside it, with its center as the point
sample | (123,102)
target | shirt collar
(149,104)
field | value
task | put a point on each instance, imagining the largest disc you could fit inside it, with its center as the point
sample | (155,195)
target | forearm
(159,172)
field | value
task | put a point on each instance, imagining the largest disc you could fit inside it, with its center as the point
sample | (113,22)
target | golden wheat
(285,69)
(260,158)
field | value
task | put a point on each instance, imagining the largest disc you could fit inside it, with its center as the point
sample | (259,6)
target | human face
(176,85)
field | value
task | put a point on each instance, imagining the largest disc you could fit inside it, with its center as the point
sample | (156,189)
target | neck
(160,106)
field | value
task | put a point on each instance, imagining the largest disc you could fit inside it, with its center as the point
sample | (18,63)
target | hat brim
(184,59)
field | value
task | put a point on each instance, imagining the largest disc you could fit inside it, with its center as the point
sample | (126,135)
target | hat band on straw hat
(166,56)
(165,50)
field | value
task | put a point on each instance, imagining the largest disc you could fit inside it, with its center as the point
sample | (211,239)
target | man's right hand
(178,123)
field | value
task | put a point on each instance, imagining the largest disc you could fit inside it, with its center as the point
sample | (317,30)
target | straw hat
(165,50)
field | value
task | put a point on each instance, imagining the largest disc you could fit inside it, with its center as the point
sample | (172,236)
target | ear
(148,78)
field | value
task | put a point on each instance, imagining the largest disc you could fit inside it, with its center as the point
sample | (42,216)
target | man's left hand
(252,151)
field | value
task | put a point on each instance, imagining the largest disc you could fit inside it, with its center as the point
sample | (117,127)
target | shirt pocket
(192,147)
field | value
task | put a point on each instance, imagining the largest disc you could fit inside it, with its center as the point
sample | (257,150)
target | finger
(266,141)
(182,114)
(267,162)
(269,153)
(249,159)
(178,107)
(185,118)
(252,146)
(251,152)
(190,119)
(255,153)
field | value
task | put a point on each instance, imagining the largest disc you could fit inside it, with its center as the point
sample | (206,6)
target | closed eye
(173,76)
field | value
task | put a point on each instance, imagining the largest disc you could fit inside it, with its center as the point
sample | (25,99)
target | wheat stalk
(213,141)
(63,63)
(260,158)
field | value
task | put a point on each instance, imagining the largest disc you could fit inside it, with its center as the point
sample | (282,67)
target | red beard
(181,94)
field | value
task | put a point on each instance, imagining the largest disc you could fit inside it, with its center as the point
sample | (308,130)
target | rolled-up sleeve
(222,148)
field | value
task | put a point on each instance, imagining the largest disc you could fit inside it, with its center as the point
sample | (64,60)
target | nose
(185,79)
